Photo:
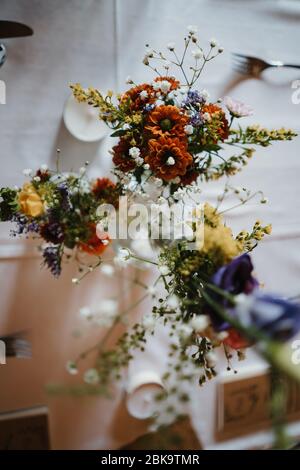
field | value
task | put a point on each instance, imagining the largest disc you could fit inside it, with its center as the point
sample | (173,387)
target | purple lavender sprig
(52,255)
(24,225)
(63,191)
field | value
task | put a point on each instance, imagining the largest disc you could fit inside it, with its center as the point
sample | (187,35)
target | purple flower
(193,98)
(52,259)
(23,225)
(33,226)
(234,278)
(197,119)
(65,197)
(278,318)
(149,107)
(52,232)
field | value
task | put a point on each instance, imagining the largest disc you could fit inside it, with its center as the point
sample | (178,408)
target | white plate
(82,121)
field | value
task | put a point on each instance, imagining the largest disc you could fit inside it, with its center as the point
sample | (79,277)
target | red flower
(173,82)
(105,190)
(235,340)
(94,246)
(167,121)
(121,157)
(190,176)
(168,158)
(134,95)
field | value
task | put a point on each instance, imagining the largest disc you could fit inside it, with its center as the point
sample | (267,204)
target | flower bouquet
(170,139)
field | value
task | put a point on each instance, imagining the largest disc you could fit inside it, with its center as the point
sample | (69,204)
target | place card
(25,429)
(243,405)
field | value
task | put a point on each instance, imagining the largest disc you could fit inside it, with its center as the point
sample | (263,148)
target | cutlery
(2,54)
(249,65)
(16,346)
(12,29)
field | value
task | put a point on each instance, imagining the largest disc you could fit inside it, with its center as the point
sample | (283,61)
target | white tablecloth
(99,43)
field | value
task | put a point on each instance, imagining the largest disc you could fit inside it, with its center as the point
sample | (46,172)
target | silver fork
(248,65)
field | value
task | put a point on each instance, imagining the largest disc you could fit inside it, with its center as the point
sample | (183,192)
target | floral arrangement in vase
(170,139)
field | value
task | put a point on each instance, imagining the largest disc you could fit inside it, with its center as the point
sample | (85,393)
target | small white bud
(171,161)
(91,376)
(164,270)
(165,86)
(211,359)
(264,200)
(199,323)
(171,46)
(189,129)
(144,95)
(134,152)
(173,301)
(192,29)
(197,54)
(72,368)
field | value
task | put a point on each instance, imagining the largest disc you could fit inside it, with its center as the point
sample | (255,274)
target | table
(99,43)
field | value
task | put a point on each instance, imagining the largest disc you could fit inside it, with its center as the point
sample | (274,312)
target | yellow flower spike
(30,201)
(268,229)
(259,235)
(110,93)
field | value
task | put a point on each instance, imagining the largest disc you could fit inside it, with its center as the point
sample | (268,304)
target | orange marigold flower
(105,190)
(94,246)
(137,102)
(121,157)
(172,80)
(215,110)
(167,121)
(168,158)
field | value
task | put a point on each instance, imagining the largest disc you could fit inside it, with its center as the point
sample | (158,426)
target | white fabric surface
(99,43)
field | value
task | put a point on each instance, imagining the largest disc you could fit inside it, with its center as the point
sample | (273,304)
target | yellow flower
(218,239)
(268,229)
(30,201)
(219,242)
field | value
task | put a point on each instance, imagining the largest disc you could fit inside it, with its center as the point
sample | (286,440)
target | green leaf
(118,133)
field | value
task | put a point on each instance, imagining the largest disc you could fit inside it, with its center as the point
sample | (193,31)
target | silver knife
(12,29)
